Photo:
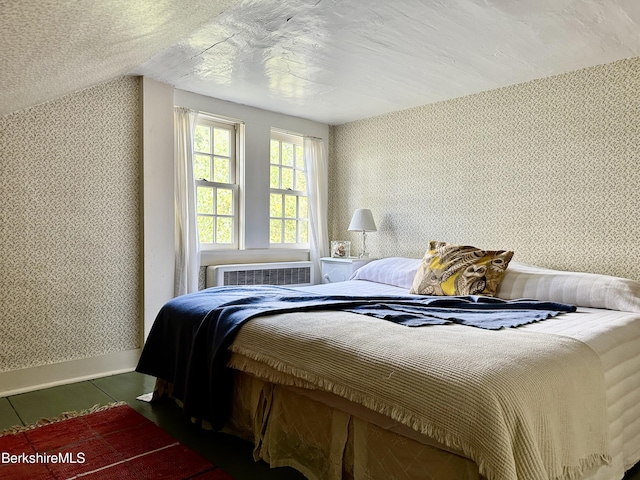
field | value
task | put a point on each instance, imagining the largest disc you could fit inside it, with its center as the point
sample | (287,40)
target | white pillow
(396,271)
(576,288)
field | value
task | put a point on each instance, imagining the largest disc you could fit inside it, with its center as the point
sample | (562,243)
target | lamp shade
(362,221)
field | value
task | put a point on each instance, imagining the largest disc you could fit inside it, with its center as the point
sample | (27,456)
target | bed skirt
(323,442)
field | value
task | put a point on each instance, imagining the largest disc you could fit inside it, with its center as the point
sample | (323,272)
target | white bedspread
(493,405)
(613,335)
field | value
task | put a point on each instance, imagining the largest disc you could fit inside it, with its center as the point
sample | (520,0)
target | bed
(340,395)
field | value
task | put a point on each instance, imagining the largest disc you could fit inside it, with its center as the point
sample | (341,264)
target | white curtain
(187,247)
(315,160)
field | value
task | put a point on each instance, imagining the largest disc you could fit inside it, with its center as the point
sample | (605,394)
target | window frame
(296,140)
(216,122)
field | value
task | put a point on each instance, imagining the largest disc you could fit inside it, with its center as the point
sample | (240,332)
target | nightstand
(337,269)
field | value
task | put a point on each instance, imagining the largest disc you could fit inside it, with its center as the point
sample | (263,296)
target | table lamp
(362,221)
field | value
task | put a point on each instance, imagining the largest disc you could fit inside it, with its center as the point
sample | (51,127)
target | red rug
(115,442)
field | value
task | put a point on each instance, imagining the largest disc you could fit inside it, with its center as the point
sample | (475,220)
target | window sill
(225,257)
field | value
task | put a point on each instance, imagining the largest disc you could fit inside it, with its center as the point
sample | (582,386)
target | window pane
(202,141)
(274,177)
(301,181)
(225,202)
(303,236)
(303,207)
(221,141)
(275,231)
(299,157)
(205,229)
(275,205)
(290,231)
(275,151)
(201,167)
(204,200)
(214,161)
(287,178)
(287,154)
(221,170)
(224,230)
(290,206)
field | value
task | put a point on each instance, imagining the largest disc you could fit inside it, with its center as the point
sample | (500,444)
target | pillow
(395,271)
(577,288)
(448,269)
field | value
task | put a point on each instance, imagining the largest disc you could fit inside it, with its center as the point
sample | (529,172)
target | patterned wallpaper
(548,168)
(69,228)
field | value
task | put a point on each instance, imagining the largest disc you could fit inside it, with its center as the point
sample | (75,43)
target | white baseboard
(36,378)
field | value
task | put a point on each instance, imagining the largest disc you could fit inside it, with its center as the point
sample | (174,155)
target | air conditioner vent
(281,273)
(272,276)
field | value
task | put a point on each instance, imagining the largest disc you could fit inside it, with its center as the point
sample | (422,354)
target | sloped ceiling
(332,61)
(50,48)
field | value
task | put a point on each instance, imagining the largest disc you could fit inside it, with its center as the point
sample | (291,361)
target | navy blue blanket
(188,343)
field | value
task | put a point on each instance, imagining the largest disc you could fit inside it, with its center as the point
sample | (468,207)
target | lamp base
(363,252)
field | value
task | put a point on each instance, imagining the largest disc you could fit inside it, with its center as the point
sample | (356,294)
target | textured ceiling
(50,48)
(340,60)
(332,61)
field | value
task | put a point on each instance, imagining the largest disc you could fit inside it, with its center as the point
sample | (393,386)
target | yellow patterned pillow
(448,269)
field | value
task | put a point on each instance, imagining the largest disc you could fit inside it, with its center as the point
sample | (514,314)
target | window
(214,171)
(288,217)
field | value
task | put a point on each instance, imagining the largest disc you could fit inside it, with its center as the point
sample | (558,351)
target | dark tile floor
(227,452)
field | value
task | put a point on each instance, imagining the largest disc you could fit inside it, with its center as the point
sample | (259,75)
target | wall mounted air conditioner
(290,274)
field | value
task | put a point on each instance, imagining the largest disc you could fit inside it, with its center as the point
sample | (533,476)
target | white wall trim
(36,378)
(157,198)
